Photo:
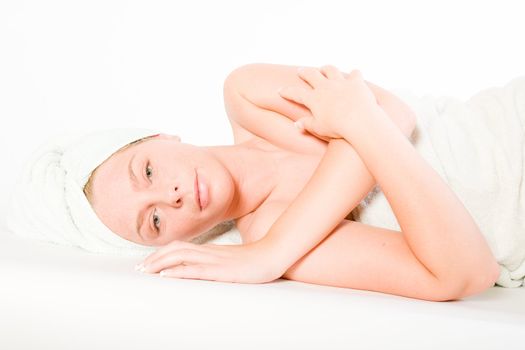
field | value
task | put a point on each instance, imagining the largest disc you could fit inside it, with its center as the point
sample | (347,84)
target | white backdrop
(68,65)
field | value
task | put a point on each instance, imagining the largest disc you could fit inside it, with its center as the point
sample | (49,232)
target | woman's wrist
(366,127)
(277,257)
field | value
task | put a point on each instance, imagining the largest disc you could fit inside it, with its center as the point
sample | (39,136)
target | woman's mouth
(201,192)
(196,190)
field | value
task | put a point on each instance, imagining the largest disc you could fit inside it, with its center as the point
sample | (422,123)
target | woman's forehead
(112,175)
(117,163)
(133,145)
(112,193)
(131,148)
(113,169)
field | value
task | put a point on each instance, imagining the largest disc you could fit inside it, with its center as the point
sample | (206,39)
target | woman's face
(150,185)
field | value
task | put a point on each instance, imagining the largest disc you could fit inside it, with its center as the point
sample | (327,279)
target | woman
(295,194)
(291,192)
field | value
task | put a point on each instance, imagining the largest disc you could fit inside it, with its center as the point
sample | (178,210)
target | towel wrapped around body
(477,147)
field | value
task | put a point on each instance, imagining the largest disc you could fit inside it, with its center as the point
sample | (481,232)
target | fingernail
(299,125)
(141,268)
(163,273)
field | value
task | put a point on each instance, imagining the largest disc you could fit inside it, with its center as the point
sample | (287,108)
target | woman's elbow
(483,280)
(479,281)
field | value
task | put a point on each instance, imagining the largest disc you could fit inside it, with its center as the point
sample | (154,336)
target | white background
(69,65)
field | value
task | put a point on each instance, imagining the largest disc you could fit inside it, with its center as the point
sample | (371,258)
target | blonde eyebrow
(140,216)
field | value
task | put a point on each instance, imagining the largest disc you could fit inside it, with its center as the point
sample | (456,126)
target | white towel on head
(48,202)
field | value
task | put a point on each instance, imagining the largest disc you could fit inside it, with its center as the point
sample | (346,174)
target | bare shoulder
(257,111)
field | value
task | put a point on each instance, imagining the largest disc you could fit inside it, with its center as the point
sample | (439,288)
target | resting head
(75,190)
(145,192)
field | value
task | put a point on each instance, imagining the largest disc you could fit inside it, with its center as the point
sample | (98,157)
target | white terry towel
(48,202)
(477,147)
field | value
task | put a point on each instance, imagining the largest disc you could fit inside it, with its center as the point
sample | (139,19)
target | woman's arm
(252,101)
(259,82)
(345,253)
(355,255)
(438,228)
(328,185)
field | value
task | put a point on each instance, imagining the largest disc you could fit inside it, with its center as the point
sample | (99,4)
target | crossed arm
(431,258)
(355,255)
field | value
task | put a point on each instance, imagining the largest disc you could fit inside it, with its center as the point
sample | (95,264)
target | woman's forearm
(440,231)
(339,184)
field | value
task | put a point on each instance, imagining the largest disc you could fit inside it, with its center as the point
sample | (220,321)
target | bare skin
(240,179)
(328,253)
(253,189)
(252,179)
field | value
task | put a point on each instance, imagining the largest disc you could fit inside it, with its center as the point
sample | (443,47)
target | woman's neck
(255,174)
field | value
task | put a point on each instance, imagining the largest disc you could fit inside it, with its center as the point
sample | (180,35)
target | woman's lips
(196,190)
(201,192)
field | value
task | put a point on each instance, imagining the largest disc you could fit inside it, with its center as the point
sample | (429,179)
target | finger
(355,74)
(319,136)
(299,124)
(331,72)
(183,256)
(198,271)
(297,94)
(311,75)
(307,123)
(170,247)
(312,126)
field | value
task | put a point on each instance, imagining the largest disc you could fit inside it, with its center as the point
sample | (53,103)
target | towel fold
(48,202)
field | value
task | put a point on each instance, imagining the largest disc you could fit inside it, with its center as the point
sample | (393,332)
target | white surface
(58,298)
(68,65)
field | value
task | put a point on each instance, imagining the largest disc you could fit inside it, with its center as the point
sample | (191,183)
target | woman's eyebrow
(139,220)
(140,216)
(132,176)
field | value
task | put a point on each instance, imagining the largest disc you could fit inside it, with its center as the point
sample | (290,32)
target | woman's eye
(156,220)
(149,171)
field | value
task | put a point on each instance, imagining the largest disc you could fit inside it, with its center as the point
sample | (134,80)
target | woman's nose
(174,196)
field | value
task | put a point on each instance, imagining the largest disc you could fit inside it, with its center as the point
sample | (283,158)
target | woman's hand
(335,102)
(248,263)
